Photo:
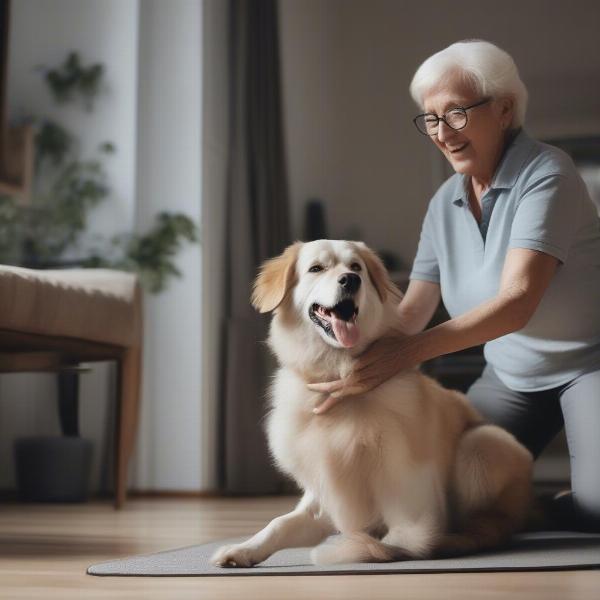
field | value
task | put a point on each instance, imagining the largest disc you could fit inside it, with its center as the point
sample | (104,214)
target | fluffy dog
(407,470)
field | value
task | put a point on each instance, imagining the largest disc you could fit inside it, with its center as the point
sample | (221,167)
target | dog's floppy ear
(377,272)
(275,279)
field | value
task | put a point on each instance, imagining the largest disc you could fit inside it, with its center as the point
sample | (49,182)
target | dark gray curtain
(257,228)
(4,38)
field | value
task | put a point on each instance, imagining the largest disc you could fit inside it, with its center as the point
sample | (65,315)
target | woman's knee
(533,422)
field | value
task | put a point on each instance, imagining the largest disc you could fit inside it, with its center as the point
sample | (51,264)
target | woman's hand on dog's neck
(385,358)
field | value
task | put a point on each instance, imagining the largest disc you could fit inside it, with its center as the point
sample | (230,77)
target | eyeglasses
(456,118)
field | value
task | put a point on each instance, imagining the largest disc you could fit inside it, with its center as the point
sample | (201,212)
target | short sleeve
(546,217)
(426,266)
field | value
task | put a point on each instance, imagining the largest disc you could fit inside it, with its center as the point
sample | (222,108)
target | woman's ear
(507,107)
(275,279)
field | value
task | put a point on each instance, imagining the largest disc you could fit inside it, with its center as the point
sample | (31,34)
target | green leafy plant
(151,255)
(67,188)
(73,79)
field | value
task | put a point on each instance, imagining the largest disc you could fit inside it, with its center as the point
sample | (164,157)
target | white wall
(169,178)
(151,109)
(347,65)
(105,31)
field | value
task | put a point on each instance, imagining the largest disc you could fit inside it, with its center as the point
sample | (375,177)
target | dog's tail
(355,547)
(486,529)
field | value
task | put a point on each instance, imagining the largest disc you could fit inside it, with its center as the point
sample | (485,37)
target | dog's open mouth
(338,322)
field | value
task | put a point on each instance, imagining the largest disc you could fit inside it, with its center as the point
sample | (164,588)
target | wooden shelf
(16,161)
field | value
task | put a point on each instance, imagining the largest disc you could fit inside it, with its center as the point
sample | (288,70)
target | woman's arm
(418,305)
(525,277)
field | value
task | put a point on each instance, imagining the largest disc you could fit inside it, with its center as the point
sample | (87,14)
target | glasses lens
(456,118)
(427,124)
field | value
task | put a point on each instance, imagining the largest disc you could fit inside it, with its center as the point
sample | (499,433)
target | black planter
(56,468)
(53,469)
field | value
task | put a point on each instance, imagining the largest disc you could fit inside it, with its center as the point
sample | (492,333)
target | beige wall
(346,69)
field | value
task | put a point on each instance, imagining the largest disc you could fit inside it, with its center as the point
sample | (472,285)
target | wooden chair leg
(129,383)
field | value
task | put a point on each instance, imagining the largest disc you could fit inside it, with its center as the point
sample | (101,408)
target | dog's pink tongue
(346,332)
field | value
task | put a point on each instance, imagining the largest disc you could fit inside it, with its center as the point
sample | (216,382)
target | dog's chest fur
(342,456)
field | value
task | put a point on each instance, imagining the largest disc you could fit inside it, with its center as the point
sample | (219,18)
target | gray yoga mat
(540,551)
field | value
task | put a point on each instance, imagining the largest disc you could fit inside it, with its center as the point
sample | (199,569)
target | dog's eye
(315,269)
(355,266)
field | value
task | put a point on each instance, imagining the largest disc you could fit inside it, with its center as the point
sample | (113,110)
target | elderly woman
(511,243)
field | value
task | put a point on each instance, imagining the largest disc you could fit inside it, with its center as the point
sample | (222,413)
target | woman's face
(476,149)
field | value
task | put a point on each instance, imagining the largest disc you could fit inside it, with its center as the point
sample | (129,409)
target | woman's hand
(382,360)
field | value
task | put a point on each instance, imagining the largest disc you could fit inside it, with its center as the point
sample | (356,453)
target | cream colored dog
(408,470)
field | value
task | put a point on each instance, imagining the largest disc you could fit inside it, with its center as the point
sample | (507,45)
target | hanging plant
(72,79)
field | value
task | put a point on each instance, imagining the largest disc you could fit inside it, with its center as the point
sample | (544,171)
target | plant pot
(53,469)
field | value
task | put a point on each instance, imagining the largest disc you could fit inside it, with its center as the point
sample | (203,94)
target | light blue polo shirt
(537,200)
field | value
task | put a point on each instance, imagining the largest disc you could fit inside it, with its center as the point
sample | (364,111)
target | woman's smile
(457,149)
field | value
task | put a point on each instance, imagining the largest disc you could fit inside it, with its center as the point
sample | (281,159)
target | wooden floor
(45,550)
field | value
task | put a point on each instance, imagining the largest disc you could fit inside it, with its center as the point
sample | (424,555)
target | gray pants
(534,418)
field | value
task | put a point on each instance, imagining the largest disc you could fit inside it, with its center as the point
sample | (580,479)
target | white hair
(490,70)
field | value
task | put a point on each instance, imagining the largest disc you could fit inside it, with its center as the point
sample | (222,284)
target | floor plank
(45,550)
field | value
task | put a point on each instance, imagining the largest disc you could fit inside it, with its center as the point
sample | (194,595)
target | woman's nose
(444,131)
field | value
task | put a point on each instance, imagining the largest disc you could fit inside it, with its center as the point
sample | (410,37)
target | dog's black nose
(350,282)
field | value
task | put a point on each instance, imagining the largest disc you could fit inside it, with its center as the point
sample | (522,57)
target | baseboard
(9,495)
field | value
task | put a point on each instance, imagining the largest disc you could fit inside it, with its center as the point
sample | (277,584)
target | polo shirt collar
(508,170)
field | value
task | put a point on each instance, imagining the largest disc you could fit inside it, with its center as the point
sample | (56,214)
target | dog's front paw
(234,556)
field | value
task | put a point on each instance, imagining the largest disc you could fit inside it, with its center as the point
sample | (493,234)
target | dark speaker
(315,226)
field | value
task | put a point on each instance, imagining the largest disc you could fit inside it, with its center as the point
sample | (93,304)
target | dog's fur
(408,470)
